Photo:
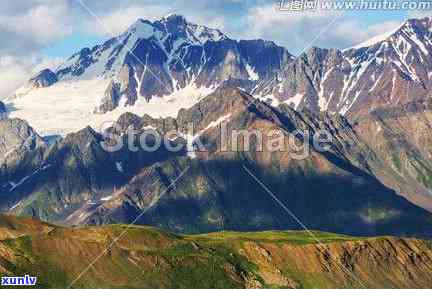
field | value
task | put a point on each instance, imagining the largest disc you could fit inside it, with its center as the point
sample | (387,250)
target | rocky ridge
(291,259)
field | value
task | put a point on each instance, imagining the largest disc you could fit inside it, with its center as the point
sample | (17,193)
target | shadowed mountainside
(78,182)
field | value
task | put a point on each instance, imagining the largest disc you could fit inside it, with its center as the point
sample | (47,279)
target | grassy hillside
(146,257)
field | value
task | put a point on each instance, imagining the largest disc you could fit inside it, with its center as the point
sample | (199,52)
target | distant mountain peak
(170,62)
(425,22)
(173,17)
(44,78)
(390,69)
(172,57)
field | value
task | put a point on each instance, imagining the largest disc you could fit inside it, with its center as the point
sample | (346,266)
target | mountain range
(388,70)
(169,56)
(373,99)
(224,211)
(75,181)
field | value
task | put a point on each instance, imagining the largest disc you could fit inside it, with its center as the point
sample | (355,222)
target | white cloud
(30,25)
(218,22)
(43,23)
(419,14)
(355,32)
(297,31)
(383,27)
(34,26)
(116,22)
(15,71)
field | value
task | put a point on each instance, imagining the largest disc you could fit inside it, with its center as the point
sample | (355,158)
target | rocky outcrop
(346,258)
(3,110)
(16,138)
(21,159)
(401,137)
(2,107)
(111,99)
(44,78)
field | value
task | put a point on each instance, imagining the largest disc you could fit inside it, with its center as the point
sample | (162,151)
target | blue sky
(232,17)
(71,43)
(42,33)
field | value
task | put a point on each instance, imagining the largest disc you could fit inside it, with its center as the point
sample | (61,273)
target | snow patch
(15,206)
(190,139)
(269,98)
(105,199)
(119,167)
(217,122)
(322,102)
(295,100)
(142,29)
(24,179)
(348,106)
(72,104)
(419,44)
(251,72)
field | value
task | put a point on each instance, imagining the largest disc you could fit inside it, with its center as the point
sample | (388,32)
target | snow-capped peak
(143,28)
(155,67)
(170,33)
(177,25)
(173,17)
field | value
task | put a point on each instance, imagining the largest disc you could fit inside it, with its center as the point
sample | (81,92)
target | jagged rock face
(85,184)
(44,78)
(156,58)
(17,137)
(72,174)
(395,70)
(111,98)
(3,110)
(82,60)
(75,170)
(339,181)
(401,137)
(126,86)
(72,169)
(21,151)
